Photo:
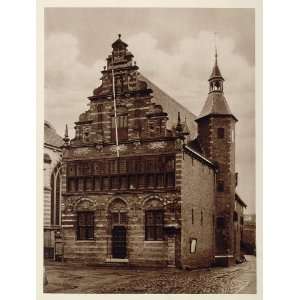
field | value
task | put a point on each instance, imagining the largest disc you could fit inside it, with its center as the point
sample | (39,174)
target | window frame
(221,133)
(155,227)
(220,186)
(86,227)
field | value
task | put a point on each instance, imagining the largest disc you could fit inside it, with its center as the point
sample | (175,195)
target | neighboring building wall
(198,213)
(52,190)
(238,221)
(55,157)
(249,234)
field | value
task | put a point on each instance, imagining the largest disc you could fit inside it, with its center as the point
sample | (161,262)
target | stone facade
(198,212)
(139,189)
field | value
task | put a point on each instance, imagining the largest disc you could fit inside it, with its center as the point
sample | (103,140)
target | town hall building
(141,188)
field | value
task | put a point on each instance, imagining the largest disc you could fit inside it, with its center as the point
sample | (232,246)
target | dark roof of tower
(238,199)
(215,72)
(216,104)
(51,137)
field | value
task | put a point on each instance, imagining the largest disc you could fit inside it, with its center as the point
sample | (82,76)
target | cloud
(67,80)
(183,74)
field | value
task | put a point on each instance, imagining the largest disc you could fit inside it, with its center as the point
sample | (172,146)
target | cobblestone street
(64,278)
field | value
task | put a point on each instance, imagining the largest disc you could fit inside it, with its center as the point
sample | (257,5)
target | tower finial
(216,51)
(178,118)
(66,131)
(66,137)
(119,35)
(179,125)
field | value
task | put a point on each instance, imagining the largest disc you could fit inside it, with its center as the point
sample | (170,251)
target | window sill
(85,241)
(156,242)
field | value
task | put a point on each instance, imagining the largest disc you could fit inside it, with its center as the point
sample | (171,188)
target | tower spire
(66,137)
(216,79)
(216,50)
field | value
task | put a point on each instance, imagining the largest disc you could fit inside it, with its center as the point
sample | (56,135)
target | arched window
(55,184)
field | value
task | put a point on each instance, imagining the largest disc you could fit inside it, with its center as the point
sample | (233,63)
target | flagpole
(115,109)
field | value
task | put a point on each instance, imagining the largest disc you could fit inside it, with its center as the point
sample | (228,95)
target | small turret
(66,138)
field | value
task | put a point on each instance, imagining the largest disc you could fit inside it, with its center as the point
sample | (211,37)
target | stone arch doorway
(118,228)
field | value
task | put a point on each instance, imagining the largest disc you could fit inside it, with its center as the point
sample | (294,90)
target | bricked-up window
(220,186)
(154,225)
(221,133)
(85,225)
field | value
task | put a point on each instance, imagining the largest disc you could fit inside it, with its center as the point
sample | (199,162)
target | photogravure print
(149,151)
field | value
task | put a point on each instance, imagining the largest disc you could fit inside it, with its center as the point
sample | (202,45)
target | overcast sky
(174,48)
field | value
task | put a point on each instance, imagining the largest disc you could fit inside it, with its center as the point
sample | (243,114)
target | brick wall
(198,209)
(139,251)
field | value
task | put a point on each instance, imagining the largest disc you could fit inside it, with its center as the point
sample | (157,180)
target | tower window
(220,186)
(221,133)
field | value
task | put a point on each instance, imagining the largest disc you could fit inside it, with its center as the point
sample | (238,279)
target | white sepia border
(40,119)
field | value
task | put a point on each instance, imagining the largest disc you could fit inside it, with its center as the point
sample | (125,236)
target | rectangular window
(220,186)
(154,225)
(89,184)
(115,182)
(235,216)
(72,185)
(85,225)
(221,133)
(98,184)
(241,220)
(80,184)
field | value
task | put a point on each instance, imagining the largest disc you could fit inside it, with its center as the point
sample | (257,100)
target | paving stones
(70,279)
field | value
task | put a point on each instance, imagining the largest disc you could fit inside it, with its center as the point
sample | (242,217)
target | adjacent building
(52,187)
(141,185)
(249,234)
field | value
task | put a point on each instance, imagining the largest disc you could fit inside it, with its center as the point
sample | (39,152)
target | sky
(174,48)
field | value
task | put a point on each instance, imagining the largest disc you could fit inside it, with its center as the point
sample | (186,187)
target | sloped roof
(216,73)
(172,107)
(51,137)
(238,199)
(216,104)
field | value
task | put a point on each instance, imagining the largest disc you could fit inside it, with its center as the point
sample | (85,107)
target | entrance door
(119,242)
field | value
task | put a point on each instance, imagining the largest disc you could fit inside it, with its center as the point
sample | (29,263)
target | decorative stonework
(121,148)
(85,204)
(157,145)
(81,151)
